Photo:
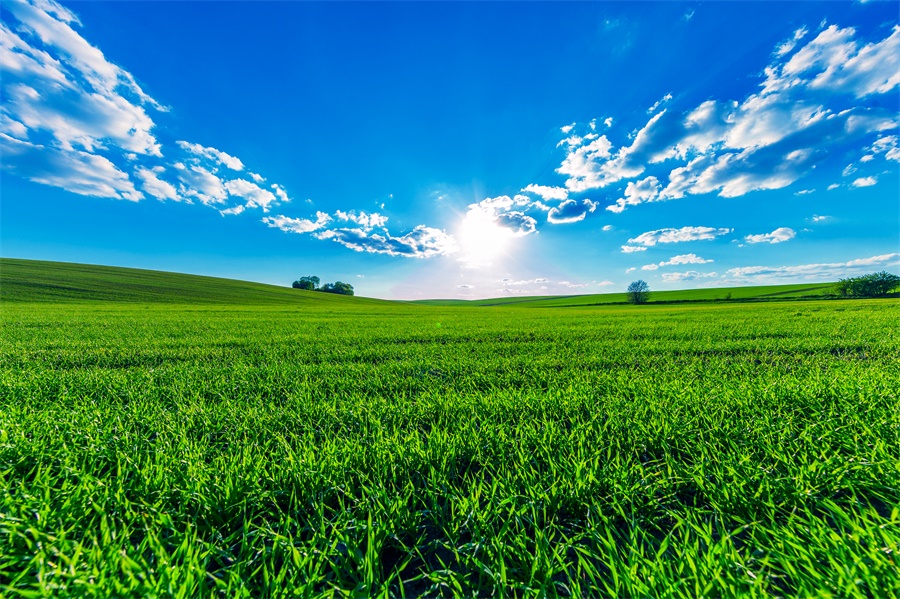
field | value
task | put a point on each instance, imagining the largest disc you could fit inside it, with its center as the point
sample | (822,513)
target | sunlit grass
(352,449)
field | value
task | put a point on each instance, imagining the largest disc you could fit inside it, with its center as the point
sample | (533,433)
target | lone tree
(638,292)
(307,283)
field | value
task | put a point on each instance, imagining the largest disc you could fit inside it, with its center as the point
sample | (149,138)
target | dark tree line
(312,284)
(877,284)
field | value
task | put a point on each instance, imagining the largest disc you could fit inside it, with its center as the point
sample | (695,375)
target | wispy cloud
(691,275)
(651,238)
(832,270)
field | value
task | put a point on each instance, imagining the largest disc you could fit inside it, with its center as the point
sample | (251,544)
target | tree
(307,283)
(638,292)
(877,284)
(337,287)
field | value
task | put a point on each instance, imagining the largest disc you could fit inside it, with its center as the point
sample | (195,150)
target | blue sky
(457,150)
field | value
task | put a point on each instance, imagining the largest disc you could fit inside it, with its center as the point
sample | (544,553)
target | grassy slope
(38,281)
(32,280)
(245,448)
(760,292)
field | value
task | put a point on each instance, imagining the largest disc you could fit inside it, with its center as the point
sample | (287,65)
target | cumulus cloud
(197,182)
(630,249)
(571,211)
(421,242)
(504,212)
(363,219)
(153,185)
(298,225)
(637,192)
(547,192)
(254,195)
(217,156)
(864,182)
(779,235)
(670,235)
(813,101)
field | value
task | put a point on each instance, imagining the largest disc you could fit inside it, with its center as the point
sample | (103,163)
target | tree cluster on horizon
(311,283)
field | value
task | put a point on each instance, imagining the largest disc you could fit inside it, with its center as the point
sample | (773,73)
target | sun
(481,239)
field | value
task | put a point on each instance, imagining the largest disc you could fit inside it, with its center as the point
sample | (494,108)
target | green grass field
(172,436)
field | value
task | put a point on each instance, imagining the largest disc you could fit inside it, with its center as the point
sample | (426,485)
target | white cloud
(255,196)
(199,183)
(511,282)
(279,191)
(833,186)
(817,218)
(75,171)
(691,275)
(217,156)
(630,249)
(504,212)
(152,184)
(779,235)
(865,182)
(567,128)
(685,259)
(804,192)
(808,103)
(607,228)
(56,83)
(421,242)
(583,165)
(659,103)
(256,177)
(605,283)
(298,225)
(364,220)
(547,192)
(832,271)
(571,211)
(670,235)
(788,45)
(637,192)
(608,122)
(677,260)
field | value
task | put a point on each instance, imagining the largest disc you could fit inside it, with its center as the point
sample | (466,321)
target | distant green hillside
(37,281)
(763,292)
